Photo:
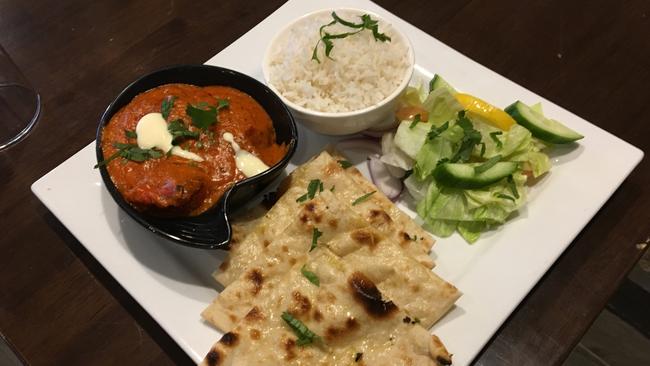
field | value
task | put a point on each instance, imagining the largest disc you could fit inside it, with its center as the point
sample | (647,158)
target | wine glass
(20,104)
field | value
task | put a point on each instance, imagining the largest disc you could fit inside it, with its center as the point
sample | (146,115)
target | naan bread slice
(348,185)
(413,287)
(356,324)
(279,251)
(244,222)
(268,228)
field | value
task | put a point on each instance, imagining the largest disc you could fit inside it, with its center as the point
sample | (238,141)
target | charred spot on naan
(256,280)
(255,334)
(300,304)
(232,318)
(229,339)
(318,316)
(443,357)
(325,297)
(368,295)
(311,212)
(333,333)
(213,358)
(254,315)
(365,237)
(379,218)
(289,346)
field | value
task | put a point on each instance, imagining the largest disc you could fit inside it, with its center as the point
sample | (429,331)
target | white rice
(361,73)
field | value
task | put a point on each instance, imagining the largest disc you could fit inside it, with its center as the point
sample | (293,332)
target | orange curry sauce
(174,186)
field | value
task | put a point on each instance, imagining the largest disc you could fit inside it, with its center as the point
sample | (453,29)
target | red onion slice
(392,187)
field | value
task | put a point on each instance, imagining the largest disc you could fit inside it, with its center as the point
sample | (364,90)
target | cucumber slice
(438,82)
(543,128)
(464,176)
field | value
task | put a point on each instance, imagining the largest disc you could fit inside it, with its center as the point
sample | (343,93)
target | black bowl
(210,230)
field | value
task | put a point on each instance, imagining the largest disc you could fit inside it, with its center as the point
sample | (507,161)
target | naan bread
(378,210)
(413,287)
(244,222)
(348,185)
(356,324)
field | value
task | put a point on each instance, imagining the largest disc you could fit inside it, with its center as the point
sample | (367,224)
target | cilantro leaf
(202,118)
(482,148)
(493,136)
(363,198)
(222,103)
(130,152)
(130,134)
(305,336)
(315,185)
(417,119)
(344,164)
(505,196)
(471,138)
(435,132)
(513,186)
(166,106)
(178,130)
(314,238)
(487,165)
(367,23)
(311,276)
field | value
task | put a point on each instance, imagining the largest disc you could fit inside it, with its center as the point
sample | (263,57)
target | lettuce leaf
(442,106)
(441,147)
(421,146)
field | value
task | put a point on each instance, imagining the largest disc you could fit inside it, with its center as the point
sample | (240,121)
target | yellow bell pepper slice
(486,111)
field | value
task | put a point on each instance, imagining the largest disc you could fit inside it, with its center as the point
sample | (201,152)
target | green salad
(466,163)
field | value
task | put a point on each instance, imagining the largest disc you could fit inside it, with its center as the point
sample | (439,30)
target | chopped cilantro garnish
(311,276)
(202,118)
(166,106)
(513,186)
(417,119)
(442,161)
(344,164)
(305,336)
(487,165)
(366,23)
(363,198)
(130,134)
(505,196)
(204,115)
(222,103)
(493,136)
(314,238)
(315,185)
(179,130)
(482,148)
(434,132)
(471,138)
(130,152)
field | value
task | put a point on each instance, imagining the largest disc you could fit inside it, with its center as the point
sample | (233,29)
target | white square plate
(173,283)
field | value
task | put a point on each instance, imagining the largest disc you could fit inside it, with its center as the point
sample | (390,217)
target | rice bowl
(353,89)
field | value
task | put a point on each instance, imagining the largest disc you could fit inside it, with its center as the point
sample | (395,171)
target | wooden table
(59,306)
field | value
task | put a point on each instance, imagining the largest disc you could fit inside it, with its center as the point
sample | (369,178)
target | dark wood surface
(59,306)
